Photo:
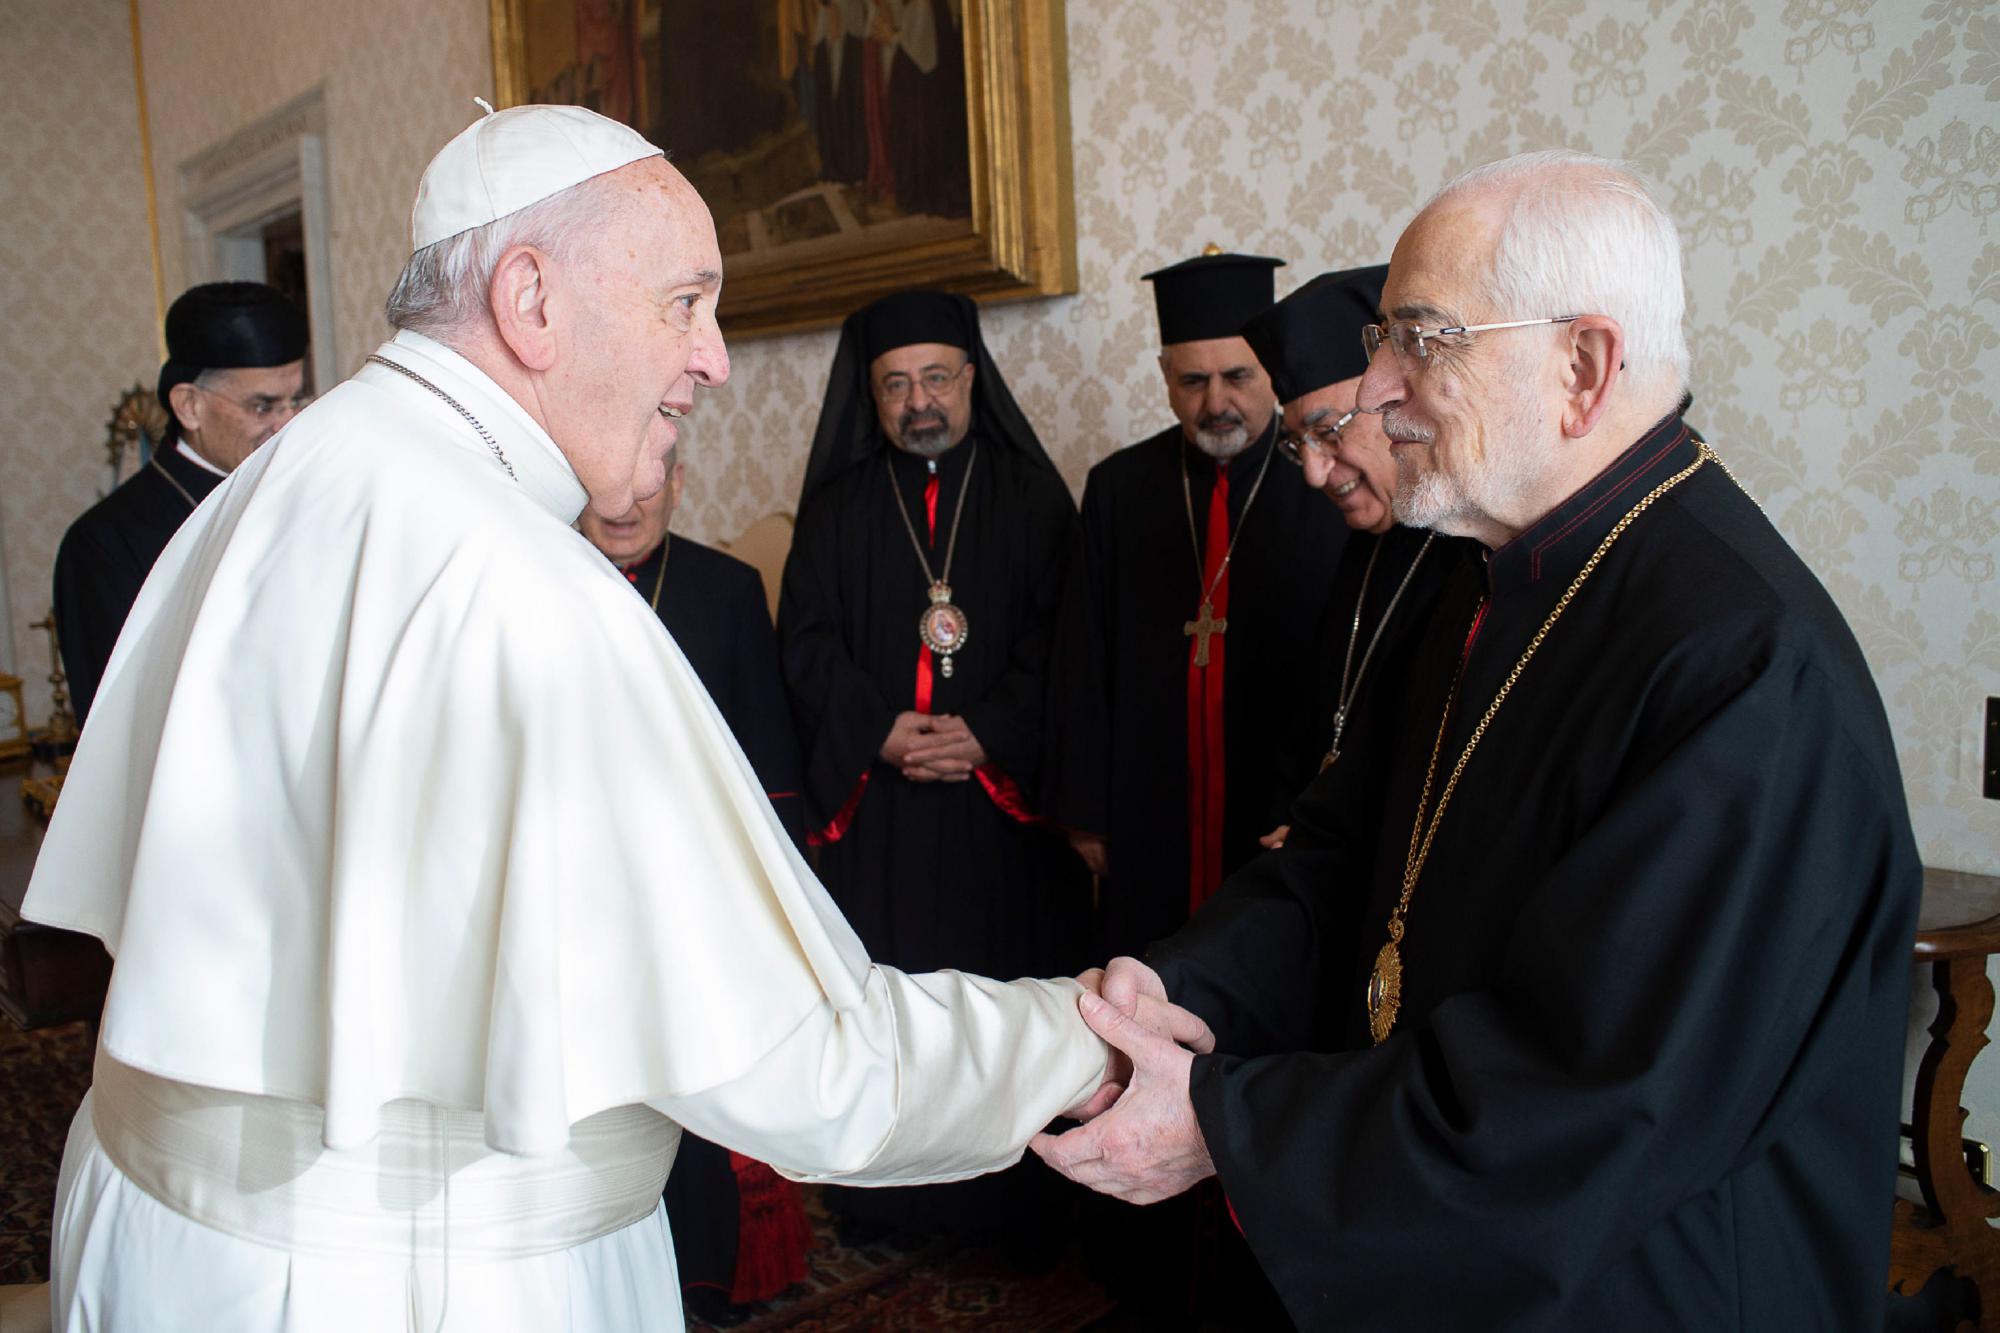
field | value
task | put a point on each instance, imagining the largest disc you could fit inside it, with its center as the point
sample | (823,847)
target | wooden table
(47,976)
(1958,927)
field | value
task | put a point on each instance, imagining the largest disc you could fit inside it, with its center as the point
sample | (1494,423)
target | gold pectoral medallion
(1385,987)
(943,627)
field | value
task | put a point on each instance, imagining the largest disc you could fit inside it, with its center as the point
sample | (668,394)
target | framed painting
(847,148)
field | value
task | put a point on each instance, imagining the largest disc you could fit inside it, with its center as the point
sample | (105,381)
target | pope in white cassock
(440,896)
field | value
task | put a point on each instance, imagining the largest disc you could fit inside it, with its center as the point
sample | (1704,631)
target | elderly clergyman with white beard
(1593,1017)
(408,1010)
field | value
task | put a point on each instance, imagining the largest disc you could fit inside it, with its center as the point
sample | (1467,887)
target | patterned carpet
(907,1284)
(43,1076)
(889,1285)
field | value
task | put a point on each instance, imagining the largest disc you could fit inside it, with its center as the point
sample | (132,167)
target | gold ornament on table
(137,424)
(21,742)
(61,730)
(40,793)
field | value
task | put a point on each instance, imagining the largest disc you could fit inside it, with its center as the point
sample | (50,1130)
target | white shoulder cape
(394,789)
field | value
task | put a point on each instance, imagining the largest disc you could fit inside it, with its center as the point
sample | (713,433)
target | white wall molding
(229,190)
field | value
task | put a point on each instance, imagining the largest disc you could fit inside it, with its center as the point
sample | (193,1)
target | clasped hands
(931,747)
(1140,1141)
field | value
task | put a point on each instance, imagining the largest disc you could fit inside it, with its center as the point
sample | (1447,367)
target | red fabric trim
(1205,752)
(1478,622)
(1002,791)
(1617,489)
(772,1234)
(925,683)
(1233,1218)
(923,704)
(836,828)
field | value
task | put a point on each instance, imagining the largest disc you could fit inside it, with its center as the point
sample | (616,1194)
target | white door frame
(264,171)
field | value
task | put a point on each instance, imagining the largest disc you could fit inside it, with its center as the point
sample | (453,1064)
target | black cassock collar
(192,477)
(1557,544)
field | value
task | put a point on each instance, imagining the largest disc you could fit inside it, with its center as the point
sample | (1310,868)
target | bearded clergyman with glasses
(1587,1008)
(1390,575)
(235,372)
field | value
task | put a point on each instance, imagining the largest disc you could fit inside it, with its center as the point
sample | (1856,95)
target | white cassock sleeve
(967,1070)
(394,789)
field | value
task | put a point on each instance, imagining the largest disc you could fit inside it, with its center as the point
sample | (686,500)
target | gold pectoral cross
(1202,630)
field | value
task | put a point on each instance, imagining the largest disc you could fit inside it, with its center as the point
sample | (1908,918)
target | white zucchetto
(507,160)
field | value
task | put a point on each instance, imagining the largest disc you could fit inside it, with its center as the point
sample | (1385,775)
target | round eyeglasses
(1409,338)
(1322,438)
(263,406)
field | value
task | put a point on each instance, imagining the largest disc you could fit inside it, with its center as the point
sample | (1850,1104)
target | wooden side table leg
(1959,1205)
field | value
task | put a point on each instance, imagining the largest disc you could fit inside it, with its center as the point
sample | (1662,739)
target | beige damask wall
(1834,163)
(76,286)
(399,78)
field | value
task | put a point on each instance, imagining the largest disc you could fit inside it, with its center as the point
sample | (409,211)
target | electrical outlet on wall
(1989,764)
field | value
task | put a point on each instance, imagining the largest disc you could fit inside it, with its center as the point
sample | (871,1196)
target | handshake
(1140,1141)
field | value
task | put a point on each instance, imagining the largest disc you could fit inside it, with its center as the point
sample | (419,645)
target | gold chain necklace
(942,627)
(1385,986)
(1205,626)
(660,579)
(1344,702)
(154,463)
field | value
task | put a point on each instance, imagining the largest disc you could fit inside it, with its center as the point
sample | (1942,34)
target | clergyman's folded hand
(907,732)
(949,752)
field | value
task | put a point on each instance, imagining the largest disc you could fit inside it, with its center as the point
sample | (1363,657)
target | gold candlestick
(62,723)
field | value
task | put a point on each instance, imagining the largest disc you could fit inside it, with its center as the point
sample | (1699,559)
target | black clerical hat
(1312,338)
(226,326)
(917,317)
(1211,295)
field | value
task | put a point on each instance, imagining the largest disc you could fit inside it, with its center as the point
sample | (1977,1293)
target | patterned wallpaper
(1835,166)
(76,288)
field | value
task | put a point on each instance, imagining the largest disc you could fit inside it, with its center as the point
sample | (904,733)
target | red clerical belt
(1204,711)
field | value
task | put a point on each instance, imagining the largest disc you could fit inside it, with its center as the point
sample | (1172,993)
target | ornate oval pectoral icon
(942,626)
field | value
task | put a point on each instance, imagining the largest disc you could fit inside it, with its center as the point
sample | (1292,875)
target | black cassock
(1118,761)
(714,606)
(939,874)
(105,557)
(1400,574)
(1647,1068)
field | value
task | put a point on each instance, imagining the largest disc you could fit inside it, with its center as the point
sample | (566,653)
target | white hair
(1584,235)
(444,287)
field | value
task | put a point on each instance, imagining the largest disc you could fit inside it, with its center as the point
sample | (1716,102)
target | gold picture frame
(1018,238)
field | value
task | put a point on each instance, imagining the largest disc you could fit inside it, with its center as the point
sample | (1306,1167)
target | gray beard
(1221,444)
(928,441)
(1428,501)
(1453,506)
